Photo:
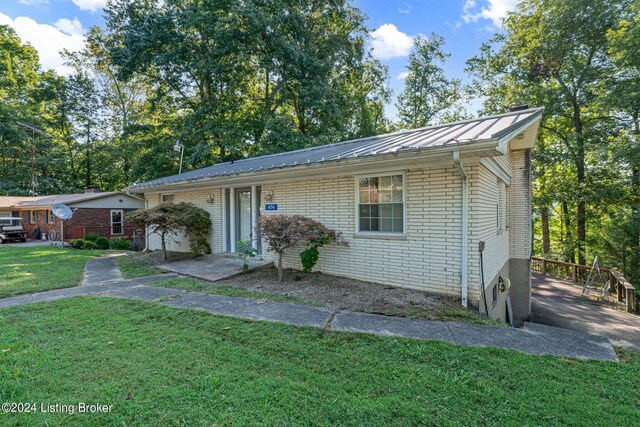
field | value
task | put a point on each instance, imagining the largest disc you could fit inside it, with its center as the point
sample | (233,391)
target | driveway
(559,303)
(30,243)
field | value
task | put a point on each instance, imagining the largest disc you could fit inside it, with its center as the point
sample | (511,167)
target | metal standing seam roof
(464,132)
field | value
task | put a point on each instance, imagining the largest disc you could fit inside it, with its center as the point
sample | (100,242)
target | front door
(243,214)
(116,222)
(239,214)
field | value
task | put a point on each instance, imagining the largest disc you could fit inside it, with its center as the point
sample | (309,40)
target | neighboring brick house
(102,213)
(413,205)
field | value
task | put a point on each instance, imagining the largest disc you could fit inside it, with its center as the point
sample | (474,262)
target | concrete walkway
(531,339)
(213,267)
(559,303)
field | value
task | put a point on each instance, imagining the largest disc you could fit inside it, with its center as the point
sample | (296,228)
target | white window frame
(33,217)
(357,205)
(121,221)
(173,197)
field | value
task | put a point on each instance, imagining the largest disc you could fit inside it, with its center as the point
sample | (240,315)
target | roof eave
(487,145)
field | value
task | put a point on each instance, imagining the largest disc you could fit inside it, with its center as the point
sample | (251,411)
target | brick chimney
(92,189)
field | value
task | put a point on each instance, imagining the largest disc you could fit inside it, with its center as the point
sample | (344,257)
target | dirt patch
(154,258)
(355,295)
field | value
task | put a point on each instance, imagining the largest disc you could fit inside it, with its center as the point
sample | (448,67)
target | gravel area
(355,295)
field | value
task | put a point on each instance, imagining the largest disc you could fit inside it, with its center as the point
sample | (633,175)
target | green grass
(32,269)
(185,367)
(132,269)
(189,284)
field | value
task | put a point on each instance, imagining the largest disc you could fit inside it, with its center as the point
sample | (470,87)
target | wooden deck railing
(577,273)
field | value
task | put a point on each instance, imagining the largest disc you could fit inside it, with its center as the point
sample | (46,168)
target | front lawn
(26,270)
(164,366)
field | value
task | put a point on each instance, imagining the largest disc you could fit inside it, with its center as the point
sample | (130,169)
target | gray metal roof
(464,132)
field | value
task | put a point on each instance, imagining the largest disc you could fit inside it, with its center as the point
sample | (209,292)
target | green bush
(120,243)
(102,243)
(77,243)
(91,237)
(88,245)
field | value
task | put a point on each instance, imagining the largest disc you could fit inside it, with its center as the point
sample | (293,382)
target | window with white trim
(381,204)
(167,198)
(33,217)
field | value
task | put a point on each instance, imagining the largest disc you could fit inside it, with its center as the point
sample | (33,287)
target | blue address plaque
(271,207)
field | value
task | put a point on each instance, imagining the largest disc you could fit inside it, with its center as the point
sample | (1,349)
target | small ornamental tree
(282,232)
(168,219)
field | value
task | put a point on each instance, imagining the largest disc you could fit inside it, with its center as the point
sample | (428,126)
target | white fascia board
(521,138)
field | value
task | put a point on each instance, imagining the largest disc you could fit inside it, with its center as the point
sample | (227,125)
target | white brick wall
(519,205)
(199,198)
(429,256)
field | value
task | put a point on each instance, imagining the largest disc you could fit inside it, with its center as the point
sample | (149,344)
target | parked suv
(11,229)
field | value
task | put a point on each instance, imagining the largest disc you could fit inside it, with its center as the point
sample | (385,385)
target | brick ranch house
(414,206)
(102,213)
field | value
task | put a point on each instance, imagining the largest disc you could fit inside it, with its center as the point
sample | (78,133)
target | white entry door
(240,212)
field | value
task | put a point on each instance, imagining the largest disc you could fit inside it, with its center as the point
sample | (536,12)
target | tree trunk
(164,246)
(569,252)
(546,242)
(280,272)
(581,220)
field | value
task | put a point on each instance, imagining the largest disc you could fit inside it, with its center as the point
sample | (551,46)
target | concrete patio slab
(213,267)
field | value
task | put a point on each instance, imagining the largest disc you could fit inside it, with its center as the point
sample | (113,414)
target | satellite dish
(62,211)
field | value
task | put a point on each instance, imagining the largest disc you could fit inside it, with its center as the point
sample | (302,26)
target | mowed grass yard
(185,367)
(26,270)
(162,366)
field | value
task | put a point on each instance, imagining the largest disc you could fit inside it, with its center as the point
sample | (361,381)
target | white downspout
(146,228)
(465,227)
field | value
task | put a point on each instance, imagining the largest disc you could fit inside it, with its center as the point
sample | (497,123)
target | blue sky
(51,25)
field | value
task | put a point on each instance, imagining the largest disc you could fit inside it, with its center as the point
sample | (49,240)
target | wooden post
(544,266)
(612,281)
(574,273)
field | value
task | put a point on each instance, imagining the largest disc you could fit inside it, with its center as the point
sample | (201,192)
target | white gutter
(465,227)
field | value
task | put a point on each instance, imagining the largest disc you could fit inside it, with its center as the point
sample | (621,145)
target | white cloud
(90,5)
(48,40)
(33,2)
(494,10)
(403,75)
(69,27)
(405,9)
(388,42)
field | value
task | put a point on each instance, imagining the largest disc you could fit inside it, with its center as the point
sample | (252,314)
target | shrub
(91,237)
(245,250)
(120,243)
(77,243)
(88,245)
(102,243)
(282,232)
(166,219)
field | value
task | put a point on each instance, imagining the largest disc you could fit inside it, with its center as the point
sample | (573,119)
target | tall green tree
(429,96)
(554,53)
